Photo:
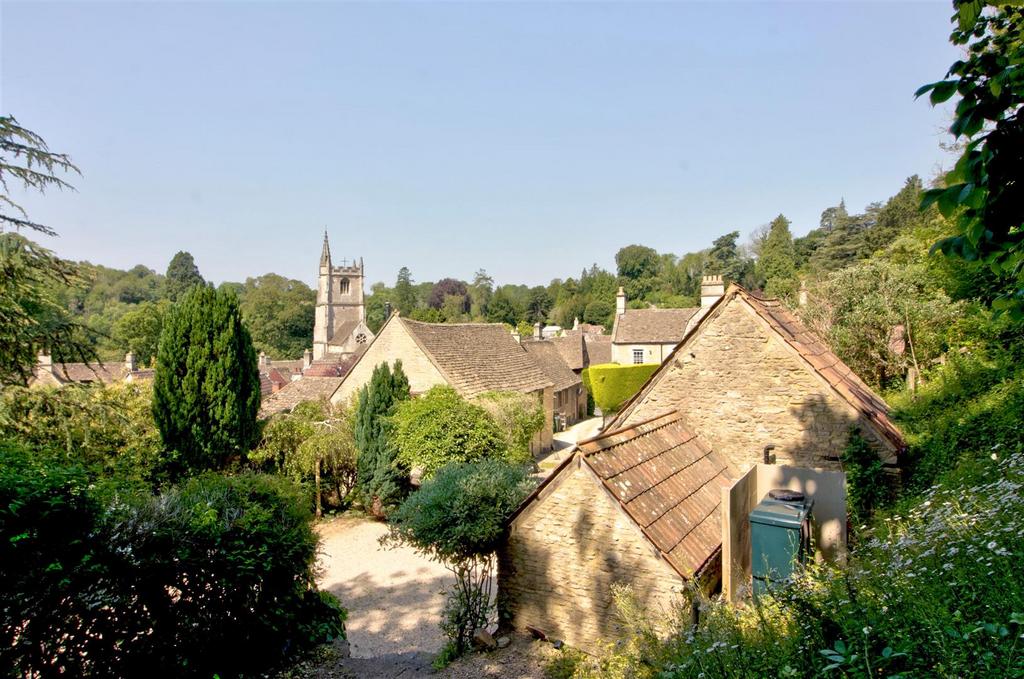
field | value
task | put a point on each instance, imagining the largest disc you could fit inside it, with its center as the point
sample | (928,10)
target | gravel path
(393,596)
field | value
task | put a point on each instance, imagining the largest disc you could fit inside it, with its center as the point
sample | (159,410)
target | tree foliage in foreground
(206,390)
(984,193)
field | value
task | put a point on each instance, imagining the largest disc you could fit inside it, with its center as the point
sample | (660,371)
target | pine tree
(405,294)
(382,479)
(206,391)
(182,275)
(777,264)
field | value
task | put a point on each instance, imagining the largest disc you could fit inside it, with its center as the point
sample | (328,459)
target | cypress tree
(778,260)
(382,479)
(206,391)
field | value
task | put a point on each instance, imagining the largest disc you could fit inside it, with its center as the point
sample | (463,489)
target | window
(343,286)
(360,338)
(638,356)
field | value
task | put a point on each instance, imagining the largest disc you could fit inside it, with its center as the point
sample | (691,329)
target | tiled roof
(330,367)
(547,356)
(651,326)
(826,364)
(669,482)
(570,348)
(107,373)
(292,394)
(477,357)
(598,349)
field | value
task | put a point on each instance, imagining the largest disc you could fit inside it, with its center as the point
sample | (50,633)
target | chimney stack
(45,361)
(129,362)
(307,358)
(387,310)
(711,290)
(264,362)
(576,323)
(538,331)
(802,295)
(620,302)
(516,336)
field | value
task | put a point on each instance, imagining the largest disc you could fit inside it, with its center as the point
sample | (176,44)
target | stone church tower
(340,329)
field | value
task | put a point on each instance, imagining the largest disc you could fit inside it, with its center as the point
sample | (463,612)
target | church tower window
(343,286)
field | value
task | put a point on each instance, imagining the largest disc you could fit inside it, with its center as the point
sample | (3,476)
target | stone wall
(393,343)
(742,387)
(653,353)
(563,554)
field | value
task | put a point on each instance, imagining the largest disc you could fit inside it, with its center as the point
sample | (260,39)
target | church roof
(477,357)
(651,326)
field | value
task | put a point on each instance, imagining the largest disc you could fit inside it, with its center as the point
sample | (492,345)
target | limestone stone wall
(742,387)
(393,343)
(653,353)
(564,552)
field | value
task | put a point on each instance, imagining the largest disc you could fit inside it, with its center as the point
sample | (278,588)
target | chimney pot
(129,362)
(538,331)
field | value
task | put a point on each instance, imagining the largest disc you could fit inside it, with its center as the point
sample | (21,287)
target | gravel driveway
(393,596)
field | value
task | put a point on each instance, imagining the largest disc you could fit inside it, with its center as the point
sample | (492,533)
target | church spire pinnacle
(325,256)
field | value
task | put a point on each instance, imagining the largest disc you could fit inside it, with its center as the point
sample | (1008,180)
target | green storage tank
(780,537)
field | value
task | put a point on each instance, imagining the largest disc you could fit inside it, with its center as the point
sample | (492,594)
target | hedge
(612,384)
(213,577)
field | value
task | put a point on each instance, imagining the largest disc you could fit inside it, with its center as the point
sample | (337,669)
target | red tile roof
(669,482)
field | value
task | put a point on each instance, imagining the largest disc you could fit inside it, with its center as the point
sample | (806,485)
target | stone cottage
(749,374)
(650,335)
(49,374)
(569,399)
(637,506)
(472,358)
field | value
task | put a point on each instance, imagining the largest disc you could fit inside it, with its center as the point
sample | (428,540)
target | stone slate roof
(669,482)
(651,326)
(825,363)
(343,332)
(570,349)
(292,394)
(550,361)
(598,349)
(330,366)
(105,372)
(477,357)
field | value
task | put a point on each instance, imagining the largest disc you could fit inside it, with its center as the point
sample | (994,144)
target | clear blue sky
(527,139)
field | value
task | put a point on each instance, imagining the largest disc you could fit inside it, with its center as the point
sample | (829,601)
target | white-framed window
(638,356)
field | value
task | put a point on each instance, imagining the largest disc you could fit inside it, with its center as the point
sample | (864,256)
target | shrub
(613,384)
(585,377)
(213,577)
(382,479)
(519,417)
(312,443)
(440,427)
(206,390)
(867,484)
(107,429)
(458,518)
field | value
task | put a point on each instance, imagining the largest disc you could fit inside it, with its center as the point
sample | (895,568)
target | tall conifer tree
(778,260)
(206,391)
(382,479)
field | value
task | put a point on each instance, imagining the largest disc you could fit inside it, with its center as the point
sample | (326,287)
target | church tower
(340,326)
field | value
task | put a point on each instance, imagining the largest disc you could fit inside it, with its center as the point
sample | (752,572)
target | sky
(527,139)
